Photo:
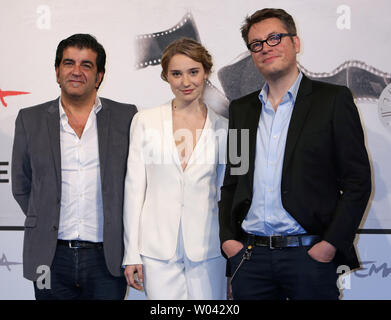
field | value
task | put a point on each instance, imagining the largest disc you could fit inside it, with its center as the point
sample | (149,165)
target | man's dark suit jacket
(326,178)
(36,179)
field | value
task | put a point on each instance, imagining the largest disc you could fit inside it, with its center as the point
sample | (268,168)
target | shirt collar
(292,92)
(96,107)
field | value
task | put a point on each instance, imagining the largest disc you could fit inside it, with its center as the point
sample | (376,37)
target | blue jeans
(280,274)
(80,274)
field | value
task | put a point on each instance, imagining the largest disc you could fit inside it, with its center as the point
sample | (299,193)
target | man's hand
(322,251)
(229,289)
(231,247)
(130,272)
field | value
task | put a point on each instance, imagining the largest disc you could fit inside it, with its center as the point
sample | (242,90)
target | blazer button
(285,192)
(55,228)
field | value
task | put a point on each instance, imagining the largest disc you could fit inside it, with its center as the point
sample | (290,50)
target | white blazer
(159,195)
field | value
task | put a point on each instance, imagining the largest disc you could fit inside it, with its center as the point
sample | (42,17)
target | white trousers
(182,279)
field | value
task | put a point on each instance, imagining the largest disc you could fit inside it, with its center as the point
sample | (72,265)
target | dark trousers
(80,274)
(280,274)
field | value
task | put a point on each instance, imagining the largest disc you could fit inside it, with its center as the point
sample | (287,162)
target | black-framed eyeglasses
(272,40)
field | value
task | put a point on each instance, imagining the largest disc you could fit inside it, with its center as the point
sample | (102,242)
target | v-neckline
(176,152)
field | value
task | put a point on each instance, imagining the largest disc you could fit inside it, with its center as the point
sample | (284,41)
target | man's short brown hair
(264,14)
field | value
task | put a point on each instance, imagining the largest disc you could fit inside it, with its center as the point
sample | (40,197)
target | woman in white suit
(175,170)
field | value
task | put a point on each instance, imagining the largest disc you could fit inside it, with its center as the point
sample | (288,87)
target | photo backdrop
(343,42)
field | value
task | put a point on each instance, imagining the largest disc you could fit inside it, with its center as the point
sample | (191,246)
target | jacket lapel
(252,121)
(53,122)
(103,120)
(200,149)
(168,145)
(299,114)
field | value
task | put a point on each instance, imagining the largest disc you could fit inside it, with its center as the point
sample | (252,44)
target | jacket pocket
(30,222)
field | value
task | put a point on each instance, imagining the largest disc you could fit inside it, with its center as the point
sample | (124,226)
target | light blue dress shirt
(267,216)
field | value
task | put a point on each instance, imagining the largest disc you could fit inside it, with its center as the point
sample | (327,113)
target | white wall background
(331,32)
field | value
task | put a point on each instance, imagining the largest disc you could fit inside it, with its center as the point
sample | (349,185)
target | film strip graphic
(366,82)
(149,47)
(241,76)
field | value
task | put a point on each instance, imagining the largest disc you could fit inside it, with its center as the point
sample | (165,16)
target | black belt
(78,244)
(278,242)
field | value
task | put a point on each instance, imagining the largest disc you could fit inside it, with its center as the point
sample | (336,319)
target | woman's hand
(130,275)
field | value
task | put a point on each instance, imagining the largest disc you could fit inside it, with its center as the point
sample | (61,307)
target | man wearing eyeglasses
(289,222)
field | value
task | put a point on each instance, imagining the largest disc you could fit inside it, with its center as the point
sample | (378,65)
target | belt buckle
(73,246)
(271,247)
(271,243)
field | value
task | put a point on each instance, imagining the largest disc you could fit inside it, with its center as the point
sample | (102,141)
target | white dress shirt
(81,213)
